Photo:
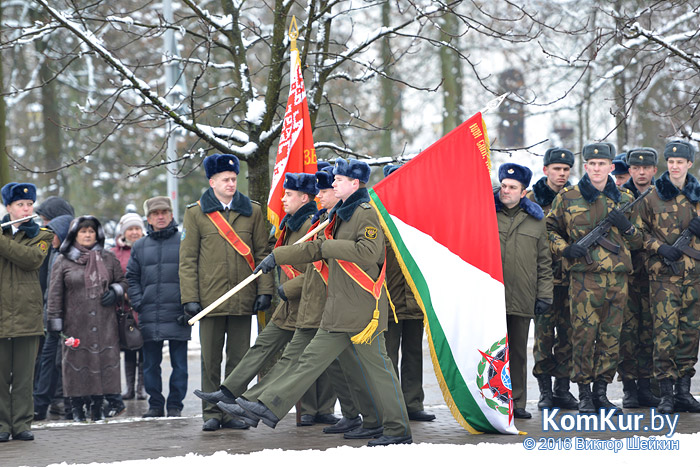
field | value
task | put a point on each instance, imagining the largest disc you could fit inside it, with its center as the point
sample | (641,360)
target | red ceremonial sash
(288,270)
(230,235)
(320,265)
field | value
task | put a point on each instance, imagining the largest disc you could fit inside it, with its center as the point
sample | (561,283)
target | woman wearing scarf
(86,283)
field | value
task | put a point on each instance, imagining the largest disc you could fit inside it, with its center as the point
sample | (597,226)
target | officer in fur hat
(621,169)
(23,248)
(527,270)
(636,342)
(552,346)
(674,280)
(598,291)
(223,237)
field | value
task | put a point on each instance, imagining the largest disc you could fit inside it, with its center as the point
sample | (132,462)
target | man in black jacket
(154,292)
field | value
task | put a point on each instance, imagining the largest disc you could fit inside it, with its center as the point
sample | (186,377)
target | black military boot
(666,402)
(644,395)
(683,401)
(600,398)
(97,410)
(545,383)
(630,398)
(585,399)
(78,408)
(561,397)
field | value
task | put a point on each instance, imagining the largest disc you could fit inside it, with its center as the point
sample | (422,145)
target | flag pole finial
(493,104)
(293,33)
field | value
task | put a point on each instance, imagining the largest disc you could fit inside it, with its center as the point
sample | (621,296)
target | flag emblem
(493,378)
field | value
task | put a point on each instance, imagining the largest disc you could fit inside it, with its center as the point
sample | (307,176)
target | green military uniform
(552,346)
(210,267)
(358,238)
(280,329)
(21,323)
(527,277)
(407,334)
(674,298)
(598,291)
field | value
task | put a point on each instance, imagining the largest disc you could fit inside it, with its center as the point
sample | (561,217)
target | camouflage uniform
(666,213)
(636,344)
(598,291)
(552,346)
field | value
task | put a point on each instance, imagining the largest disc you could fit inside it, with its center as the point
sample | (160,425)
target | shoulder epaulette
(191,205)
(366,205)
(45,229)
(567,188)
(255,202)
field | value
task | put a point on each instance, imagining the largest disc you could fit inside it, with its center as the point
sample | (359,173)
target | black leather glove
(109,298)
(262,302)
(694,226)
(619,220)
(54,325)
(182,319)
(266,265)
(280,292)
(574,251)
(541,306)
(191,309)
(671,253)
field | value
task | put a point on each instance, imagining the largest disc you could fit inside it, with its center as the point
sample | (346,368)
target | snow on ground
(685,449)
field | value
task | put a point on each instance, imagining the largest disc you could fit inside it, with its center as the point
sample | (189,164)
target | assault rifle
(598,236)
(683,244)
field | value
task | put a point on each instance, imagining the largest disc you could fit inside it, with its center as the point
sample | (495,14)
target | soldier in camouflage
(636,342)
(598,291)
(552,346)
(666,213)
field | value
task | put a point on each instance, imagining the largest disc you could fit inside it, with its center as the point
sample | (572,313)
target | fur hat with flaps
(558,156)
(306,183)
(352,169)
(390,169)
(324,178)
(642,156)
(620,163)
(320,165)
(217,163)
(16,191)
(675,148)
(75,226)
(515,172)
(598,151)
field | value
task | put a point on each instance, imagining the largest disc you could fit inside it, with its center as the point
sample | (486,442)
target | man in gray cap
(674,280)
(598,284)
(636,344)
(552,346)
(527,270)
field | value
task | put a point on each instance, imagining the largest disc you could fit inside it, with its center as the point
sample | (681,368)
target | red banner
(295,152)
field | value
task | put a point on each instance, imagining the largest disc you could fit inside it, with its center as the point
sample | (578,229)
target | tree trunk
(388,91)
(451,69)
(4,164)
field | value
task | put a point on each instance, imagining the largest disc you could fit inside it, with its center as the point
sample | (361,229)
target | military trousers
(16,383)
(597,304)
(518,330)
(674,307)
(344,376)
(320,398)
(270,341)
(636,336)
(552,347)
(215,333)
(376,367)
(407,335)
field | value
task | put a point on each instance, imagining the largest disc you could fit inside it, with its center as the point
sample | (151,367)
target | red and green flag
(439,216)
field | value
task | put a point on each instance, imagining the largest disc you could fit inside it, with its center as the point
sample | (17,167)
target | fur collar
(30,228)
(590,193)
(167,232)
(667,190)
(544,195)
(241,203)
(530,208)
(318,215)
(296,220)
(346,209)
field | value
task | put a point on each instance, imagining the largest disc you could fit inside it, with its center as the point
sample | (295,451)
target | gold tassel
(365,336)
(393,308)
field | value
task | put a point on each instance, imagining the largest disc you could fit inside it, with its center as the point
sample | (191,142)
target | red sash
(230,235)
(320,265)
(288,270)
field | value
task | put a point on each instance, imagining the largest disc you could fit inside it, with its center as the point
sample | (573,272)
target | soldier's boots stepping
(644,395)
(386,440)
(344,425)
(683,401)
(585,399)
(600,398)
(630,399)
(237,411)
(666,402)
(258,411)
(561,397)
(222,395)
(546,397)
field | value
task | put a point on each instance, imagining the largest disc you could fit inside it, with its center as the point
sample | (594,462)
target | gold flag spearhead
(293,33)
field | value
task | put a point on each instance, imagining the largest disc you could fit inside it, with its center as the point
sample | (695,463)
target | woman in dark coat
(86,283)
